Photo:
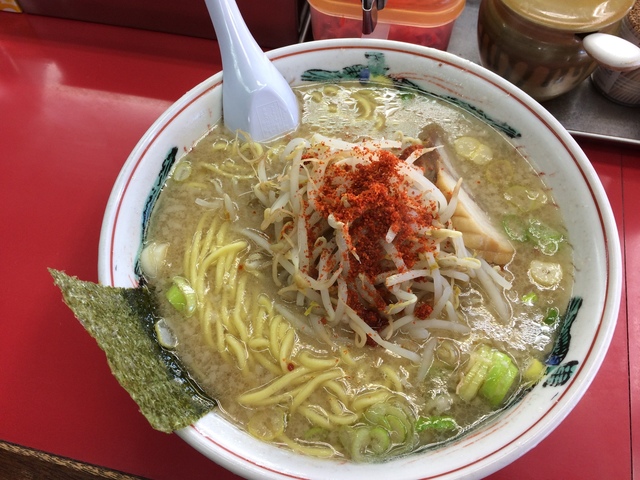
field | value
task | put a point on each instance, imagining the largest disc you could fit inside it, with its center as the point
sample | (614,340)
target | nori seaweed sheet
(122,321)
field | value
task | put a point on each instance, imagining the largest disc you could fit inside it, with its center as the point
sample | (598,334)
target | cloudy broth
(272,357)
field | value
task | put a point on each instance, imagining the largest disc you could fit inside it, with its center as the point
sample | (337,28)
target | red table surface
(74,100)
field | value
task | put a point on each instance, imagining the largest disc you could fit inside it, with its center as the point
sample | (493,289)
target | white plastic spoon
(255,96)
(612,52)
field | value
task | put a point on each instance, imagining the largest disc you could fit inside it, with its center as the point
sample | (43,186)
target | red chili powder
(374,201)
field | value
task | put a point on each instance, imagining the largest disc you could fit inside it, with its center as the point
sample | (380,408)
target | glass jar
(537,44)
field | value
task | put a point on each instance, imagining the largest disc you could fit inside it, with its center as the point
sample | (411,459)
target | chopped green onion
(545,274)
(491,374)
(182,296)
(500,377)
(535,369)
(165,335)
(472,380)
(387,426)
(552,316)
(526,199)
(529,298)
(359,442)
(473,149)
(515,228)
(437,423)
(182,171)
(399,427)
(547,239)
(380,440)
(152,258)
(392,418)
(541,231)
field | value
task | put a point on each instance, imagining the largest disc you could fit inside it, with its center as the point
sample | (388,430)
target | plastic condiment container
(537,44)
(622,87)
(423,22)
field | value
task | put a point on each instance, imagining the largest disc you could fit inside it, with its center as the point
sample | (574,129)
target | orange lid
(574,15)
(405,12)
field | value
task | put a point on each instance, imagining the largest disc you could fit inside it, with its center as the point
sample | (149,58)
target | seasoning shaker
(622,87)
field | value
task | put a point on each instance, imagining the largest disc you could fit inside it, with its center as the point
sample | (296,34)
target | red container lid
(404,12)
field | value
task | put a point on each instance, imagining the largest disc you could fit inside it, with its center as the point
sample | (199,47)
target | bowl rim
(602,338)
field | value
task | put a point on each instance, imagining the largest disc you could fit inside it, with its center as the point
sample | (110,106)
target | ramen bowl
(582,343)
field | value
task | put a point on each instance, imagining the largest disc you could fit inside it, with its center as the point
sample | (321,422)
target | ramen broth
(272,357)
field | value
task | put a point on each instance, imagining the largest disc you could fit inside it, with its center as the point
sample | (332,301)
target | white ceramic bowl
(540,137)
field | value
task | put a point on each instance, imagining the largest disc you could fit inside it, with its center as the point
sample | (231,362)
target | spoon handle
(255,96)
(237,45)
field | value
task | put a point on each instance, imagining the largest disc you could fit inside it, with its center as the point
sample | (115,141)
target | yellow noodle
(231,263)
(219,277)
(330,90)
(255,308)
(315,450)
(258,343)
(273,387)
(304,378)
(327,420)
(346,418)
(283,328)
(196,185)
(392,376)
(219,171)
(222,233)
(315,363)
(239,350)
(363,106)
(346,357)
(251,361)
(230,249)
(316,96)
(219,334)
(337,407)
(192,265)
(265,302)
(197,237)
(238,309)
(286,347)
(206,319)
(259,319)
(230,165)
(313,385)
(224,316)
(338,390)
(280,399)
(364,400)
(206,246)
(312,414)
(274,325)
(220,144)
(263,360)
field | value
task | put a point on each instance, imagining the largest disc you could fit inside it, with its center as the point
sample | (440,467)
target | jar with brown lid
(537,44)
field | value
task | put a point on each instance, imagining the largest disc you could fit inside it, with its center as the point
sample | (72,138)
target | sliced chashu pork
(480,235)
